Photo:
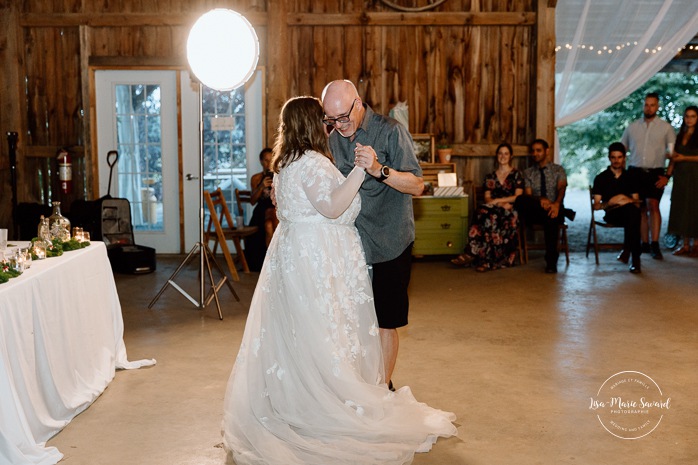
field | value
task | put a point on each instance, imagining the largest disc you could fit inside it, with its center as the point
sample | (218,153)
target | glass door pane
(225,152)
(137,117)
(139,143)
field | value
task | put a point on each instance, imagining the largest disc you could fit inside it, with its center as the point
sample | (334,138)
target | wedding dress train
(307,387)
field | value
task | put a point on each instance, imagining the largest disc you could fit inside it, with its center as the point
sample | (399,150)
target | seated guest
(617,192)
(683,216)
(263,215)
(544,191)
(492,240)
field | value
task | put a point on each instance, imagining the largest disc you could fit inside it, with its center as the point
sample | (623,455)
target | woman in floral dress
(493,235)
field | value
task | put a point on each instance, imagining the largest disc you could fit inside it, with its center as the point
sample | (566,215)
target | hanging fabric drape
(129,179)
(606,49)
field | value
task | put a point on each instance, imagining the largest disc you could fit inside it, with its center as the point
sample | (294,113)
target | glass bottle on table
(59,225)
(43,232)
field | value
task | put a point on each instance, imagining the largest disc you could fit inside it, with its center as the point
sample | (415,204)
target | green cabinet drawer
(438,243)
(440,225)
(427,207)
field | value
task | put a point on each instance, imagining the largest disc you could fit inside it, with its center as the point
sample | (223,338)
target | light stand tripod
(222,51)
(206,257)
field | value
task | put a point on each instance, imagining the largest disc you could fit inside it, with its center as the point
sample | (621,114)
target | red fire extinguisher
(65,171)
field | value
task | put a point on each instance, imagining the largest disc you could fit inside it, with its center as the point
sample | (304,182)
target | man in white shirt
(649,141)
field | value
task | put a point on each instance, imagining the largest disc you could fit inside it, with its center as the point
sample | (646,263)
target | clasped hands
(619,200)
(503,204)
(552,208)
(365,157)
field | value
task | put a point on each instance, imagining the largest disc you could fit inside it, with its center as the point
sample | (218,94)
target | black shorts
(390,281)
(646,179)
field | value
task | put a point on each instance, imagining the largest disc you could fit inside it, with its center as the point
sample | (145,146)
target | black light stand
(12,142)
(206,257)
(222,51)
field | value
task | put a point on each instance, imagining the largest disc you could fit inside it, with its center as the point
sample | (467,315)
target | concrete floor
(516,354)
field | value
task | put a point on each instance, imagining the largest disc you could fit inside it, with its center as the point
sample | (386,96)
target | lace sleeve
(328,194)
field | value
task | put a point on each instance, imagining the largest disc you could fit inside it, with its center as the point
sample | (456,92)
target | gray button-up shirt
(647,144)
(553,174)
(386,221)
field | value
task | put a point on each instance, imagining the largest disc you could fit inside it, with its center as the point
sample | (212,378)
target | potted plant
(443,148)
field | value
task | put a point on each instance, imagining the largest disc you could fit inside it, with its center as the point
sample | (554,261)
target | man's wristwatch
(385,173)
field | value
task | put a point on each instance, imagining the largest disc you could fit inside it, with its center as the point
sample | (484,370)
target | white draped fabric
(61,340)
(606,49)
(129,154)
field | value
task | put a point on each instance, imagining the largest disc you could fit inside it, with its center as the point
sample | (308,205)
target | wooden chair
(242,197)
(562,245)
(593,235)
(215,231)
(245,196)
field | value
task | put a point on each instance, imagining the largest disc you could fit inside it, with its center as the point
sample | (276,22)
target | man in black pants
(616,191)
(541,203)
(386,221)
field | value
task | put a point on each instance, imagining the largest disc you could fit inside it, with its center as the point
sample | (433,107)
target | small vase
(59,225)
(444,155)
(43,231)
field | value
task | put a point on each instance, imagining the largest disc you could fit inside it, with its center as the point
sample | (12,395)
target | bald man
(386,222)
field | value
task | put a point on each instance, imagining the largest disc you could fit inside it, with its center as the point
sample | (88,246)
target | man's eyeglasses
(345,118)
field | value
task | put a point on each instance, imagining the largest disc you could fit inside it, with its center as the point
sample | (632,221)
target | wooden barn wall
(471,82)
(471,68)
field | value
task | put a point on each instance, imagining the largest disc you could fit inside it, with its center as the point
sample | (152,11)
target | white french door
(137,117)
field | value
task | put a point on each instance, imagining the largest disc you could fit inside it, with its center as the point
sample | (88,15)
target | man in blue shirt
(386,222)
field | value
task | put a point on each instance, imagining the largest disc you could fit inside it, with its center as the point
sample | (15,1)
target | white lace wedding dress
(307,387)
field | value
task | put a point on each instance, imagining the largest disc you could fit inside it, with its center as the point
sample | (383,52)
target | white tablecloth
(61,340)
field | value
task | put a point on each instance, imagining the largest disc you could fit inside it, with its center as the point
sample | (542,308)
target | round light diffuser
(222,49)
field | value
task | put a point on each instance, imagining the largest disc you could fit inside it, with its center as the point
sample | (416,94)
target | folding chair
(219,234)
(593,235)
(242,196)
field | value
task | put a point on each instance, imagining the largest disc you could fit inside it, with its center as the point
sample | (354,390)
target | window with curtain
(140,153)
(608,48)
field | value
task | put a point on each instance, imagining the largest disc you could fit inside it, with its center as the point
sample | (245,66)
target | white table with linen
(61,340)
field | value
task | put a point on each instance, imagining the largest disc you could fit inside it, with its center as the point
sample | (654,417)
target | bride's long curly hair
(300,129)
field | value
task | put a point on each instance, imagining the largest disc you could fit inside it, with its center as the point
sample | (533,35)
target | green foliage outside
(583,145)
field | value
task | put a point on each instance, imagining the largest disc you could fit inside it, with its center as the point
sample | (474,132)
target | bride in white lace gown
(307,387)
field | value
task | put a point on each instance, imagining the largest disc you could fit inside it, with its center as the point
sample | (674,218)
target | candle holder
(39,250)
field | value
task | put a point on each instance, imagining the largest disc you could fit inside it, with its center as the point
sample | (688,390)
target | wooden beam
(50,151)
(413,19)
(10,87)
(123,19)
(126,62)
(278,65)
(295,19)
(545,73)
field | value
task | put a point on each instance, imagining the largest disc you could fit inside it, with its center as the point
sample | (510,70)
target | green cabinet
(441,225)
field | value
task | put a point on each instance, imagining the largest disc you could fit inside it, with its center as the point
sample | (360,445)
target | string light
(617,48)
